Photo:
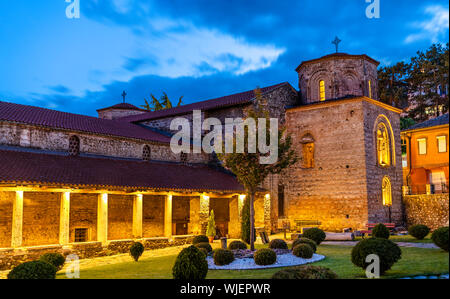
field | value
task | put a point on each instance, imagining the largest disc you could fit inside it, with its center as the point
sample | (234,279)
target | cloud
(434,29)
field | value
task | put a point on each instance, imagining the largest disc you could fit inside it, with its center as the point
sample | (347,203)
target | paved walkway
(401,244)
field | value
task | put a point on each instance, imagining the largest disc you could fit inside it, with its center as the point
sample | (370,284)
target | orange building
(425,150)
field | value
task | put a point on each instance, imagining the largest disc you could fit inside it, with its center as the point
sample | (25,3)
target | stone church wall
(430,210)
(6,211)
(120,217)
(377,212)
(83,214)
(334,190)
(153,216)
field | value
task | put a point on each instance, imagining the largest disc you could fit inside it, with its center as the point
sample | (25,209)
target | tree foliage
(161,104)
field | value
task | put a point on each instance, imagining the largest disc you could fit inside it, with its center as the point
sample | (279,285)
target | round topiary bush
(440,237)
(388,252)
(305,272)
(204,251)
(33,270)
(315,234)
(235,245)
(223,257)
(305,241)
(55,259)
(136,250)
(278,244)
(303,250)
(204,245)
(380,231)
(200,239)
(265,257)
(418,231)
(190,264)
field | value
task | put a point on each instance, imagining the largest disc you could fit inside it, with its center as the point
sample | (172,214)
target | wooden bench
(370,227)
(301,224)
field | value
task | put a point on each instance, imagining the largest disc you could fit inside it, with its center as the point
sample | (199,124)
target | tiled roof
(125,106)
(437,121)
(338,55)
(20,167)
(76,122)
(230,100)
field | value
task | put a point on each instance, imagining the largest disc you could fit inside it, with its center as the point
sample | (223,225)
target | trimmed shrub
(204,245)
(190,264)
(418,231)
(234,245)
(223,257)
(380,231)
(265,257)
(55,259)
(245,221)
(305,241)
(305,272)
(204,251)
(136,250)
(315,234)
(440,237)
(388,252)
(200,239)
(278,244)
(303,250)
(33,270)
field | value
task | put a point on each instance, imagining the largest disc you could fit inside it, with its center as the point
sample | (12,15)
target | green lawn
(407,238)
(415,261)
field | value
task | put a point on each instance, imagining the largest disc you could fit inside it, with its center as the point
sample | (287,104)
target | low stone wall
(430,210)
(10,257)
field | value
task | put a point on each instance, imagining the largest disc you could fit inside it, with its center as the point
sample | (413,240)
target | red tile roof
(226,101)
(20,167)
(76,122)
(338,55)
(125,106)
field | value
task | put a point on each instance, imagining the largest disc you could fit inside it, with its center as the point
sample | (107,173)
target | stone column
(64,218)
(137,216)
(17,220)
(204,213)
(168,216)
(102,218)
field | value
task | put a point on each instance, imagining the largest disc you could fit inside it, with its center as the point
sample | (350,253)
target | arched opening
(322,90)
(370,90)
(307,142)
(146,153)
(74,145)
(383,145)
(386,192)
(183,157)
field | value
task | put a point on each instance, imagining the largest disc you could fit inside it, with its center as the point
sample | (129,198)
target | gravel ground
(284,260)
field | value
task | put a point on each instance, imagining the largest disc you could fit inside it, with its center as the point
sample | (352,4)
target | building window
(383,145)
(183,157)
(422,143)
(280,200)
(81,235)
(442,144)
(370,89)
(146,153)
(74,145)
(404,154)
(386,191)
(307,142)
(322,90)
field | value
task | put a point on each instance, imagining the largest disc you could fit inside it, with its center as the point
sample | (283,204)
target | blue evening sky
(197,48)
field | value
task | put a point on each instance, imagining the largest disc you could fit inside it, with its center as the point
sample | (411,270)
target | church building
(75,183)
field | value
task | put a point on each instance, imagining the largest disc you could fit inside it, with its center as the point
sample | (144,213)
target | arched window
(183,157)
(370,89)
(74,145)
(386,192)
(322,90)
(146,153)
(383,145)
(307,142)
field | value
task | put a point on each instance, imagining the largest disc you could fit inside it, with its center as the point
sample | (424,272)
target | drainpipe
(408,177)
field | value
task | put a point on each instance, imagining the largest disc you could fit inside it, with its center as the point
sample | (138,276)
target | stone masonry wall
(6,210)
(153,216)
(83,214)
(120,217)
(431,210)
(377,212)
(334,191)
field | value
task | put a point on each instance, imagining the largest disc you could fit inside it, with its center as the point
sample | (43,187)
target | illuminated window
(386,190)
(146,153)
(74,146)
(81,235)
(322,90)
(370,89)
(422,143)
(442,144)
(383,145)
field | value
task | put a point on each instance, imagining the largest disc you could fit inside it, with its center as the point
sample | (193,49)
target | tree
(161,104)
(211,229)
(247,167)
(393,84)
(406,122)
